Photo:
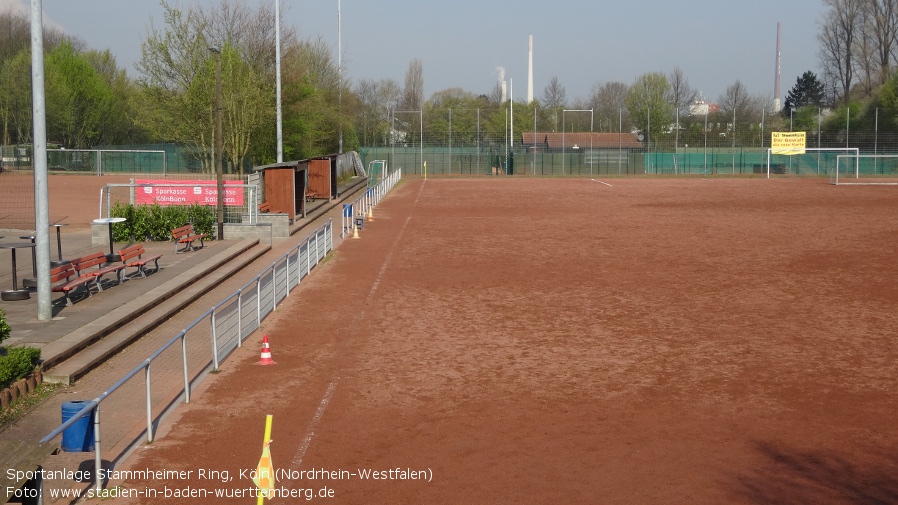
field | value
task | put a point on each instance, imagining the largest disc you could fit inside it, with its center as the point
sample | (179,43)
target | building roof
(596,140)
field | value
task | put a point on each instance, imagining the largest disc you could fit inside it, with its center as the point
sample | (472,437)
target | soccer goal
(866,169)
(814,161)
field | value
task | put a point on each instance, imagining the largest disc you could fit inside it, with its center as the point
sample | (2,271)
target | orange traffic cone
(355,232)
(370,216)
(266,352)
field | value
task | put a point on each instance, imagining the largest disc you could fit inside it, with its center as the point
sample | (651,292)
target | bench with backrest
(96,265)
(187,236)
(135,256)
(69,282)
(265,208)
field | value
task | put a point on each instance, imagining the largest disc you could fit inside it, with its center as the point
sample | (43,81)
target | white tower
(530,73)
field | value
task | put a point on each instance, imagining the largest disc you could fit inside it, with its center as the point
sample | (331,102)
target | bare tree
(608,102)
(682,94)
(837,41)
(554,96)
(413,92)
(880,32)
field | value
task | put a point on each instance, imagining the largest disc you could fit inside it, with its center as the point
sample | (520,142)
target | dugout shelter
(284,187)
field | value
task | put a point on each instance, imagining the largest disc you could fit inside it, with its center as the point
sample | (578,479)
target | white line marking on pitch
(310,432)
(322,406)
(602,182)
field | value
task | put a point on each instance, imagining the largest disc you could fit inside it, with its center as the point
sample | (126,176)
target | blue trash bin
(79,437)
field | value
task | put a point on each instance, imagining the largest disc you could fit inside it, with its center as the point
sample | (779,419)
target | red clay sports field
(525,340)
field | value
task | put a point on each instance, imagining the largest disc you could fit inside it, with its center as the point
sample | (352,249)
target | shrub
(16,363)
(5,330)
(155,222)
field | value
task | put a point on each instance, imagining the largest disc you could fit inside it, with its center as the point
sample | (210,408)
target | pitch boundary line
(602,182)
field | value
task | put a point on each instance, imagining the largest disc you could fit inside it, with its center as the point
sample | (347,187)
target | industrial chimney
(530,73)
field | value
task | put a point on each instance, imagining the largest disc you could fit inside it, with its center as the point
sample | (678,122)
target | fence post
(240,318)
(186,377)
(214,342)
(149,405)
(98,461)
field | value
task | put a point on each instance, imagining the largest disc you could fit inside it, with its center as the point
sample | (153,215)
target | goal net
(865,169)
(814,161)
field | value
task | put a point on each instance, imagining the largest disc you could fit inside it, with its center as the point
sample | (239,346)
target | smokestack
(776,85)
(503,91)
(530,73)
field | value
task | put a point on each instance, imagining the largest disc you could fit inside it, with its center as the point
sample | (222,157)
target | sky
(462,43)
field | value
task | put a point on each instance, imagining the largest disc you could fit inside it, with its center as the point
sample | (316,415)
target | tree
(78,101)
(413,92)
(682,94)
(650,103)
(554,95)
(808,91)
(838,40)
(609,102)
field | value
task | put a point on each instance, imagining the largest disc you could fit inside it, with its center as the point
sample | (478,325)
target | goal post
(865,169)
(813,161)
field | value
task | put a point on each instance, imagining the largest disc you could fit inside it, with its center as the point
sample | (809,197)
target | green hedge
(5,330)
(16,363)
(155,222)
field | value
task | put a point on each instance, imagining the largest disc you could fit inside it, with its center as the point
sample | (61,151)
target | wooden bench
(187,236)
(69,281)
(265,208)
(133,256)
(85,267)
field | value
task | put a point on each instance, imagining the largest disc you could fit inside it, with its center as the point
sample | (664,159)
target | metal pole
(214,342)
(184,360)
(340,72)
(277,57)
(98,461)
(218,144)
(562,140)
(39,154)
(149,404)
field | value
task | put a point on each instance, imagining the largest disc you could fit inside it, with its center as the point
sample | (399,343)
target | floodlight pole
(39,154)
(218,144)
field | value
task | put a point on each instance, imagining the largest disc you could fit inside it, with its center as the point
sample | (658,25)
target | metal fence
(355,213)
(694,152)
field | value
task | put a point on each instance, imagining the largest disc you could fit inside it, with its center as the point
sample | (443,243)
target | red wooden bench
(265,208)
(133,256)
(85,267)
(69,281)
(187,236)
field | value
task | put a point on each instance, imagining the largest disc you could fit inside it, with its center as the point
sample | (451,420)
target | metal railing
(360,208)
(227,324)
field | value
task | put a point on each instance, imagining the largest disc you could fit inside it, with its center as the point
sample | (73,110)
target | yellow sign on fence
(788,142)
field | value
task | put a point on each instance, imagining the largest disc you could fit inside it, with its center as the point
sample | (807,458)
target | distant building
(701,108)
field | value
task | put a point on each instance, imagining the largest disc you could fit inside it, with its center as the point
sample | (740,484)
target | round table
(60,261)
(31,282)
(111,257)
(15,293)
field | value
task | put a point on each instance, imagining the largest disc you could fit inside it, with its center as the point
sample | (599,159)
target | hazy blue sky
(461,43)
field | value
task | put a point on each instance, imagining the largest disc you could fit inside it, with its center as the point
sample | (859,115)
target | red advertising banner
(169,192)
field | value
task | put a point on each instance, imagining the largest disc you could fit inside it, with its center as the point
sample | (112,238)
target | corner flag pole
(269,478)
